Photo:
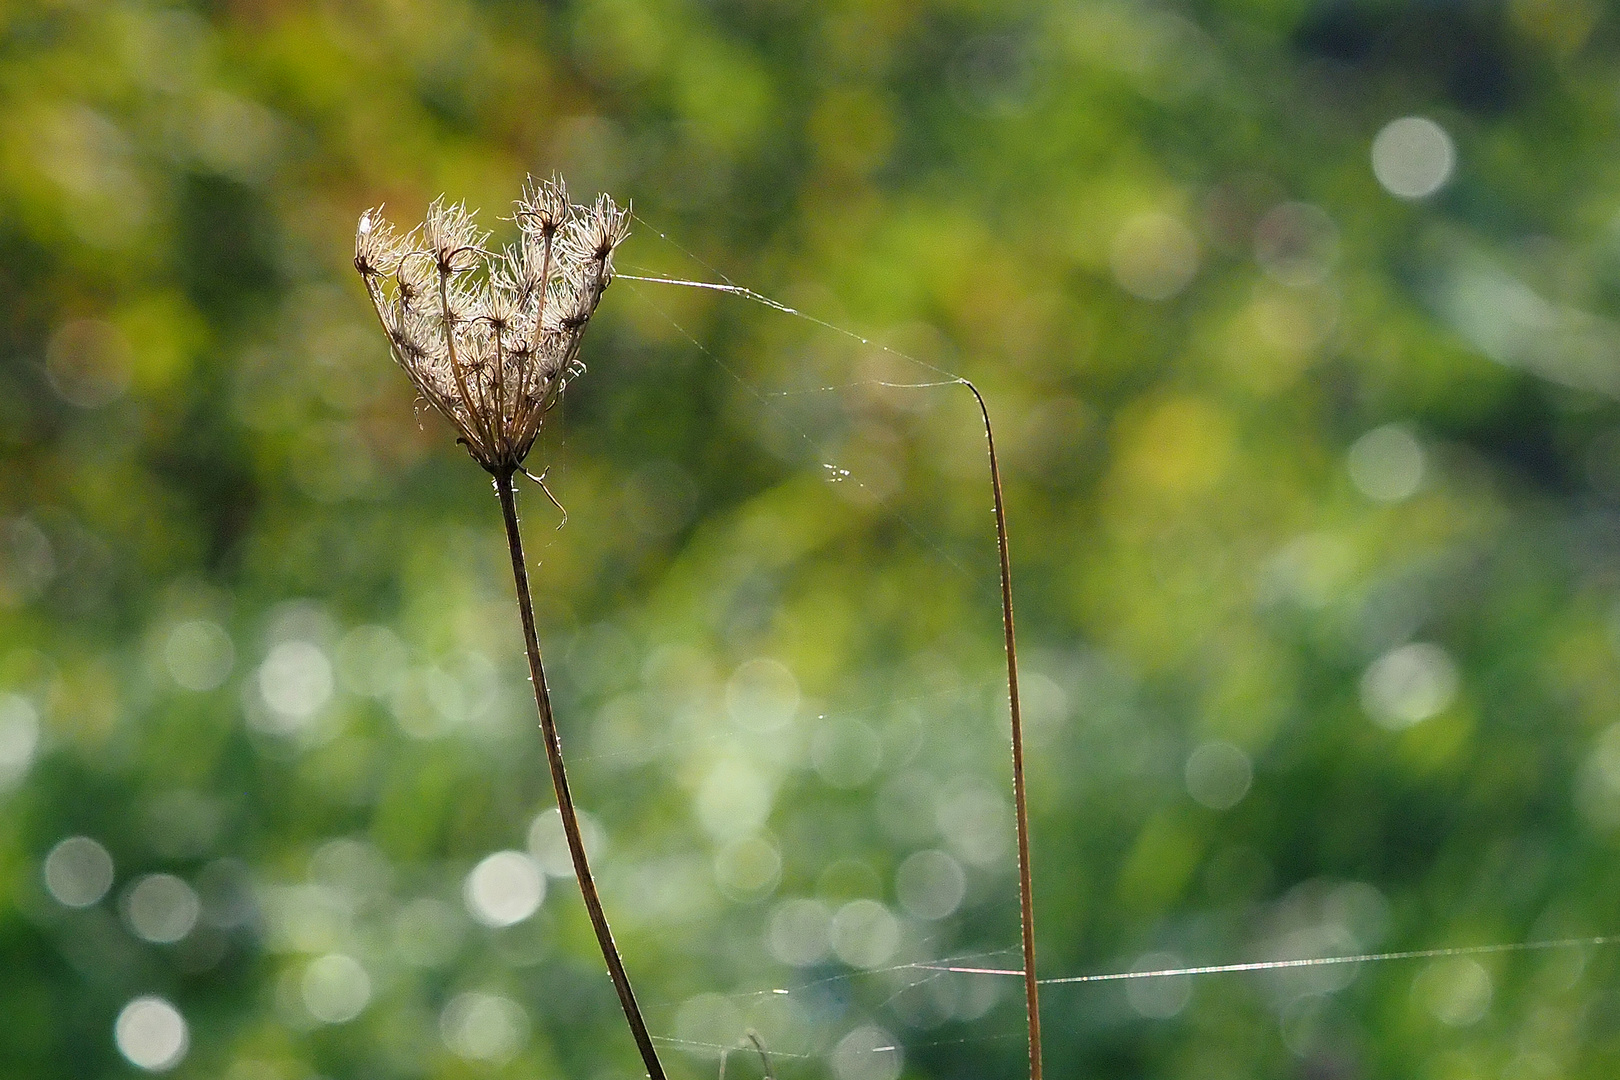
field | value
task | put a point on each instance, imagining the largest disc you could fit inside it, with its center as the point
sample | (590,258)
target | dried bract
(490,340)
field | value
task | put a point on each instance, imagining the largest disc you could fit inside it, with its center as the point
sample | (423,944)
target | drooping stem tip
(1026,902)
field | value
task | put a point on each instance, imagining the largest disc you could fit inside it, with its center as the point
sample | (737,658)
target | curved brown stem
(559,780)
(1026,903)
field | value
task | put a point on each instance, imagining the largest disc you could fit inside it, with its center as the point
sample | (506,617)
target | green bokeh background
(1314,495)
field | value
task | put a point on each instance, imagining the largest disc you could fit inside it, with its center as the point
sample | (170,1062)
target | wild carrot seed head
(491,340)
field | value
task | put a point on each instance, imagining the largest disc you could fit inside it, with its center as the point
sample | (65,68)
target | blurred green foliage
(1314,468)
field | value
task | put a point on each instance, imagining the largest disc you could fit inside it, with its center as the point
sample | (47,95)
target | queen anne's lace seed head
(490,340)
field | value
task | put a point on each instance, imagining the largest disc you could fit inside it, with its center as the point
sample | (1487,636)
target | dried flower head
(491,339)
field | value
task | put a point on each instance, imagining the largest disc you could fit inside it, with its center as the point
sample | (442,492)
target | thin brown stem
(523,410)
(447,317)
(764,1056)
(545,281)
(438,402)
(498,389)
(559,780)
(1026,903)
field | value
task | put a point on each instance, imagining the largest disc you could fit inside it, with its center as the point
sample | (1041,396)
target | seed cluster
(491,339)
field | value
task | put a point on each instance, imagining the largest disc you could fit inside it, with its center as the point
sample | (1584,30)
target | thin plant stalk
(759,1047)
(764,1055)
(559,780)
(1026,902)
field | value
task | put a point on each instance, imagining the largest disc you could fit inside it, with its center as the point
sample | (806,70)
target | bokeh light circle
(89,363)
(734,799)
(198,654)
(762,695)
(1413,157)
(484,1027)
(1154,256)
(335,988)
(1218,775)
(976,825)
(712,1019)
(846,752)
(867,1053)
(161,908)
(1296,243)
(864,934)
(1454,990)
(930,884)
(798,932)
(1162,997)
(19,738)
(296,680)
(78,872)
(748,868)
(1409,684)
(1387,464)
(151,1034)
(504,889)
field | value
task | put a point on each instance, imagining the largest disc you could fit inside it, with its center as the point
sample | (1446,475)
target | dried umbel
(491,339)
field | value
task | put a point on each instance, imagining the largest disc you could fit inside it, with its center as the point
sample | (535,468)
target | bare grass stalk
(1026,900)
